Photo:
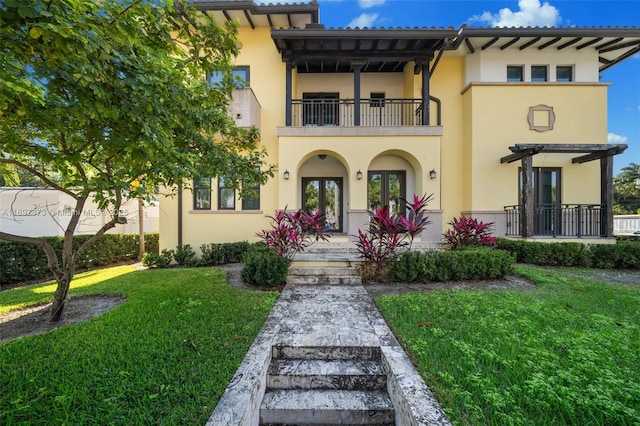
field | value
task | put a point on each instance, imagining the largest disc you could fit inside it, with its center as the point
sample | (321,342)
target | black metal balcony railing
(559,220)
(373,112)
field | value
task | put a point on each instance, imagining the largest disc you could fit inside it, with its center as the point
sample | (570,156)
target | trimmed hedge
(455,265)
(263,267)
(624,254)
(24,262)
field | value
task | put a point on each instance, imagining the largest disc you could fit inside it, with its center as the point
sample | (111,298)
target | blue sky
(624,93)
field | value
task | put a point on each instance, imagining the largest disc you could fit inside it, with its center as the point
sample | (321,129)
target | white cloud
(613,138)
(366,4)
(531,14)
(364,20)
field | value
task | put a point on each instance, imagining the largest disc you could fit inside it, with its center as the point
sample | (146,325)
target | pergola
(602,152)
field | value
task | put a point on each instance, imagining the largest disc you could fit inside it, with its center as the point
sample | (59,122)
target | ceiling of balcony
(315,49)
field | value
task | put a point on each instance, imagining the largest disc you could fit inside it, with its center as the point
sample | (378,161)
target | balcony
(380,112)
(560,220)
(245,108)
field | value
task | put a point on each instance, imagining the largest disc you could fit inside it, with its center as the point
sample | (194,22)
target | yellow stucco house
(508,125)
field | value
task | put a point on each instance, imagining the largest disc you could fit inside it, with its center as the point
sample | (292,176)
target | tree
(626,190)
(105,93)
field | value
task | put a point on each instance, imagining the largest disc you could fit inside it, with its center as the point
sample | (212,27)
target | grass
(565,353)
(164,356)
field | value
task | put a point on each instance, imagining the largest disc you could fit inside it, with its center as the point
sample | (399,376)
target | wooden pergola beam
(521,154)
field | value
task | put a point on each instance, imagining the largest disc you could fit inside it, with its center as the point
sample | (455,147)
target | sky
(624,92)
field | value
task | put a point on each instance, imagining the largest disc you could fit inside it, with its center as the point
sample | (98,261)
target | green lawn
(565,353)
(164,356)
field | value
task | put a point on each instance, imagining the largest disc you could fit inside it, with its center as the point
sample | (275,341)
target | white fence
(37,212)
(626,224)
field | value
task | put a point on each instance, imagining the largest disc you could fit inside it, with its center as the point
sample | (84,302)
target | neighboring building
(43,212)
(355,118)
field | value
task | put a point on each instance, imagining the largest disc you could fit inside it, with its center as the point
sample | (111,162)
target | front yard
(565,353)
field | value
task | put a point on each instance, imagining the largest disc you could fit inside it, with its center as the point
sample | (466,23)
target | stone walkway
(325,320)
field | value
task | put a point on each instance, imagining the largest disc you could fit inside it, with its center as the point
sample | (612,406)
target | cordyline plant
(292,233)
(468,232)
(389,232)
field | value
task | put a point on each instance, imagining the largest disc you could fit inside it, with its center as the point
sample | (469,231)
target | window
(515,73)
(564,73)
(240,76)
(377,99)
(251,201)
(539,73)
(226,195)
(202,193)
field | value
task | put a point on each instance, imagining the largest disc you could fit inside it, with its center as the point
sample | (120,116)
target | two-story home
(508,125)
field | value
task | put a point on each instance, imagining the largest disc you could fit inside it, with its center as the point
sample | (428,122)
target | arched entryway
(323,186)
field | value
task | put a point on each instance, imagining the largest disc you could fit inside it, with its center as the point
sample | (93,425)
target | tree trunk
(60,296)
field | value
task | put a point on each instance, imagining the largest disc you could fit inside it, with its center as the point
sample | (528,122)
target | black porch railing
(373,112)
(560,220)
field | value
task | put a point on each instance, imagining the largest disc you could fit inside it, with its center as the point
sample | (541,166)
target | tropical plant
(626,190)
(469,232)
(292,233)
(388,233)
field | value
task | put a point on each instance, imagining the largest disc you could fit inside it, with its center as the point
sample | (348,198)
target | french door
(320,109)
(547,204)
(324,194)
(387,187)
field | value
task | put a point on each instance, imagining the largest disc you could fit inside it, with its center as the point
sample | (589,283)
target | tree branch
(35,172)
(52,259)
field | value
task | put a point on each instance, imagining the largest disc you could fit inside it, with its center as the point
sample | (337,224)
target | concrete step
(324,270)
(334,407)
(327,353)
(319,374)
(324,280)
(327,275)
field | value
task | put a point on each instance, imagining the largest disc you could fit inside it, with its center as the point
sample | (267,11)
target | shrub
(388,233)
(468,232)
(185,256)
(220,254)
(292,233)
(262,266)
(471,264)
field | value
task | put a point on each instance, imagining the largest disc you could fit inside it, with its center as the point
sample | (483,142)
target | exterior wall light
(359,175)
(433,174)
(285,175)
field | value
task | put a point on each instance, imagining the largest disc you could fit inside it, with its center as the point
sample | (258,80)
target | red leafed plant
(291,233)
(388,232)
(468,232)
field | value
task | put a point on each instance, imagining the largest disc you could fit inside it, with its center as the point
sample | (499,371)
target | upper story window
(377,99)
(564,73)
(226,195)
(202,193)
(515,73)
(539,73)
(240,75)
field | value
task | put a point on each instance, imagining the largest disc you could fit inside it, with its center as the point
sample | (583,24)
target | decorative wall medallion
(541,118)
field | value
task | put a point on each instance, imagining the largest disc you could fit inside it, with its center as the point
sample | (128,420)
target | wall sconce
(359,175)
(433,174)
(285,175)
(322,156)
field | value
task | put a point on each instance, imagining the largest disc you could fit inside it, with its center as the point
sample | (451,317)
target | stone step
(319,374)
(324,270)
(324,279)
(327,353)
(334,407)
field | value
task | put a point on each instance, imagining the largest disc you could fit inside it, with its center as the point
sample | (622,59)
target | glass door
(387,187)
(324,194)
